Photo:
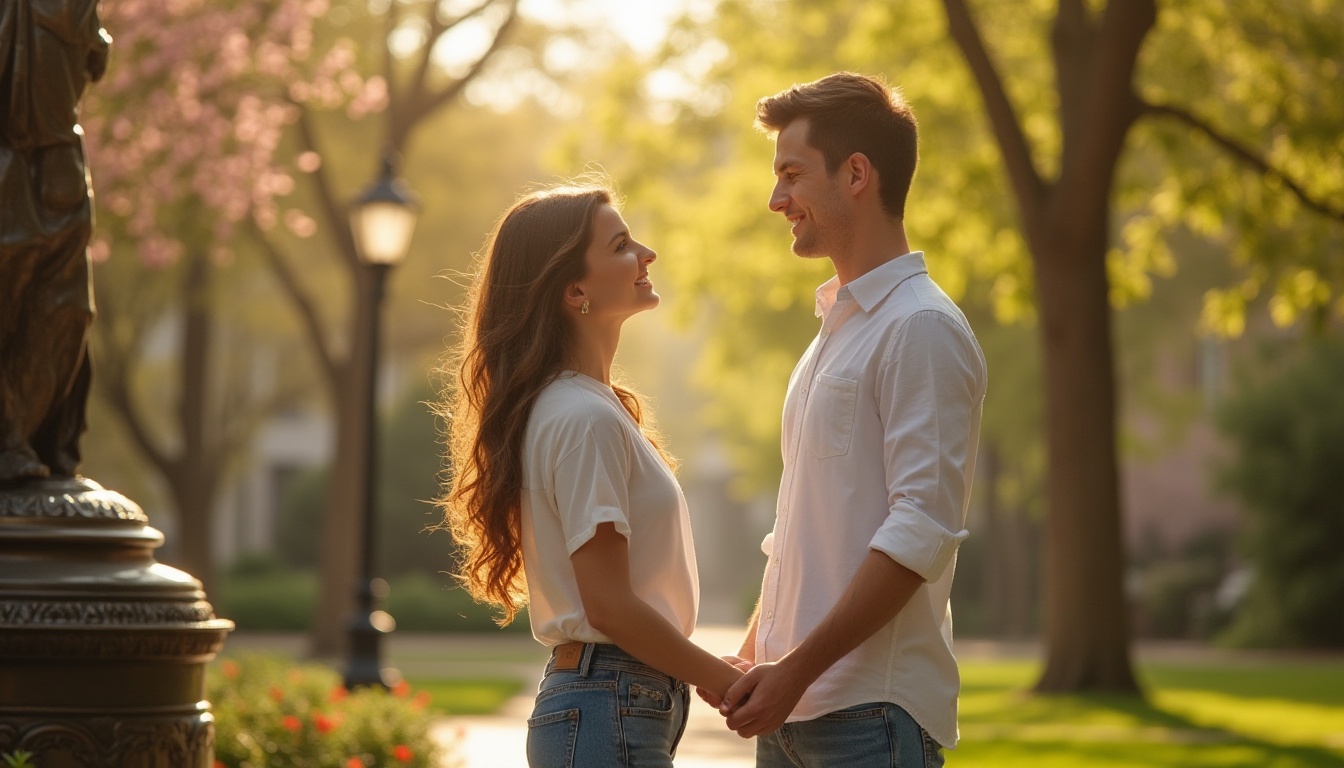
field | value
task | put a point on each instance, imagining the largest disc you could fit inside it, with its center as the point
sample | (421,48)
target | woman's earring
(583,308)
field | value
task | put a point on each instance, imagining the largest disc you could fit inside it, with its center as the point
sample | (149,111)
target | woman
(561,497)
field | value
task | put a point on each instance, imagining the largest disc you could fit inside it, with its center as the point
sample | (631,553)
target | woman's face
(617,282)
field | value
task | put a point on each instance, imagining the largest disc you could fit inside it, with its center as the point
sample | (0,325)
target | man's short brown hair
(848,113)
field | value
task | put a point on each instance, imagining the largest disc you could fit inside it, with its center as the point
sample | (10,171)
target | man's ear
(859,173)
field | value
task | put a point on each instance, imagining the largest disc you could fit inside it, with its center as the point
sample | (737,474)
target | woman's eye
(621,246)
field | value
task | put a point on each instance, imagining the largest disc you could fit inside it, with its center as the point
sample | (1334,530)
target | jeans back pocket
(551,739)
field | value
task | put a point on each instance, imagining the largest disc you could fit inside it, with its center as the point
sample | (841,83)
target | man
(852,638)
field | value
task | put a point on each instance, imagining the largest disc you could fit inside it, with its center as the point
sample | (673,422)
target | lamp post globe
(382,220)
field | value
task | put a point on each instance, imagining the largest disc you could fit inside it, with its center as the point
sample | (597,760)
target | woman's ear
(574,295)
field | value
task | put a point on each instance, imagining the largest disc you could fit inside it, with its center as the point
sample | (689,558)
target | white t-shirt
(586,462)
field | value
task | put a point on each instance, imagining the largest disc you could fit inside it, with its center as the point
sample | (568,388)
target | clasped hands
(761,700)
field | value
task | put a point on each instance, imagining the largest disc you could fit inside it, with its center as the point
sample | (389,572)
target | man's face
(807,196)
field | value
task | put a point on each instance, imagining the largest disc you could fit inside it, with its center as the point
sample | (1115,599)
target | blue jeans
(866,736)
(612,711)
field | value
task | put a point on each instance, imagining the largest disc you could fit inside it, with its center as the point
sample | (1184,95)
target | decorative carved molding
(201,639)
(102,613)
(81,501)
(186,742)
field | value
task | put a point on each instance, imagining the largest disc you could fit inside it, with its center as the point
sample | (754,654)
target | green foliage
(1263,74)
(18,759)
(1176,592)
(264,595)
(408,470)
(272,712)
(1287,429)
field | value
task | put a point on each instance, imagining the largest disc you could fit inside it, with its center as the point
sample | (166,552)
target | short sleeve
(592,478)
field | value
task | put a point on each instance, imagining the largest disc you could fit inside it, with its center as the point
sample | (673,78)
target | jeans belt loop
(589,650)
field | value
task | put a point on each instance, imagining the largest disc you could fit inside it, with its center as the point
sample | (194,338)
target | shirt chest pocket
(828,421)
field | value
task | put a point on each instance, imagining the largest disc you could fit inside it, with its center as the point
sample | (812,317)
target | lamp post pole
(382,220)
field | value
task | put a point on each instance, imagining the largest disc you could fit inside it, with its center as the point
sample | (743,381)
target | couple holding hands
(563,500)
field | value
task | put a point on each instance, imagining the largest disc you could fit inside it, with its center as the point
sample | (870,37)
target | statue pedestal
(102,650)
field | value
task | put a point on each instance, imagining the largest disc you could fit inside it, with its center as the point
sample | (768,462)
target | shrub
(266,596)
(273,713)
(422,604)
(1288,436)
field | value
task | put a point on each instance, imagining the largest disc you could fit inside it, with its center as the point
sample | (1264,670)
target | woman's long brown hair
(515,340)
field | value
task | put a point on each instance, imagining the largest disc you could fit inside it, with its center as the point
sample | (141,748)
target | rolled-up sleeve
(929,386)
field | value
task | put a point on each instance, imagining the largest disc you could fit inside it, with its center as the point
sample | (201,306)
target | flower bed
(275,713)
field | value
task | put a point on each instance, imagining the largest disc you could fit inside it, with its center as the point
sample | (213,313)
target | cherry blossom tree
(222,136)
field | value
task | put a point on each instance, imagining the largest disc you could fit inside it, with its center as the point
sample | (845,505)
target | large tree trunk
(1065,223)
(1086,626)
(194,474)
(339,555)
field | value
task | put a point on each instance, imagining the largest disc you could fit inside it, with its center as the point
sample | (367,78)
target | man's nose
(779,201)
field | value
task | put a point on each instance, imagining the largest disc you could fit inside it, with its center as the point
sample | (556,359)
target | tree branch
(289,281)
(112,381)
(416,87)
(1098,107)
(1072,40)
(1246,156)
(1022,173)
(337,224)
(433,101)
(389,62)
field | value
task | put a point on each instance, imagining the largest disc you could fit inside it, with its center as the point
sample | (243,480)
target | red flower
(291,723)
(402,753)
(220,764)
(277,695)
(422,700)
(401,689)
(322,723)
(339,693)
(229,668)
(354,762)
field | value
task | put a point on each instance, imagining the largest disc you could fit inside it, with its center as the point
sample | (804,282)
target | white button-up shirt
(881,425)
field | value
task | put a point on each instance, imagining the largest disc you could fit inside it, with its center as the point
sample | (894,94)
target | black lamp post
(382,219)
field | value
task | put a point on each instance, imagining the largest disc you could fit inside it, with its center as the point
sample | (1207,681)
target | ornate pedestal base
(102,650)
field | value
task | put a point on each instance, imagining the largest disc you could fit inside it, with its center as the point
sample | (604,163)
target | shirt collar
(870,288)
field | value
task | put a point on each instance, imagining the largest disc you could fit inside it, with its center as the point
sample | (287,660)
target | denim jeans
(613,711)
(866,736)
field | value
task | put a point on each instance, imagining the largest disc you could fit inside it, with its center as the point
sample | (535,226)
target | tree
(182,148)
(415,89)
(1065,207)
(1120,125)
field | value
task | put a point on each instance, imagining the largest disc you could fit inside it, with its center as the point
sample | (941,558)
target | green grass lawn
(1260,714)
(467,697)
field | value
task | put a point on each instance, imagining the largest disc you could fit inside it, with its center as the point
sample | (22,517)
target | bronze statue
(49,51)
